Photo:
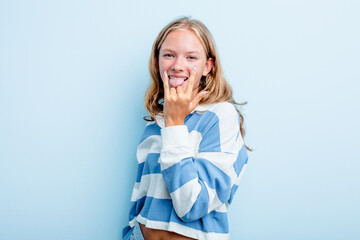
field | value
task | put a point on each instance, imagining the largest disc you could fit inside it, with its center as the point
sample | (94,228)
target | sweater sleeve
(203,181)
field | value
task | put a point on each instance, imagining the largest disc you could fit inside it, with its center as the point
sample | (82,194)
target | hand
(180,103)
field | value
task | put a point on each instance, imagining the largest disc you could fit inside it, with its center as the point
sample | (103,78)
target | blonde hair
(218,89)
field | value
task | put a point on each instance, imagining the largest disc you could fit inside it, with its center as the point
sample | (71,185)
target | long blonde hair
(215,83)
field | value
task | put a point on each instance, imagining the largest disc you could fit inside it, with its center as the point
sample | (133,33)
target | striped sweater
(188,174)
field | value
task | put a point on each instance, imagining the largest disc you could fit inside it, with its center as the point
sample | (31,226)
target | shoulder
(222,116)
(151,129)
(225,111)
(222,128)
(223,107)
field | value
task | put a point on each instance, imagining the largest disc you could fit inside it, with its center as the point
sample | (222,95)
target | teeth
(178,78)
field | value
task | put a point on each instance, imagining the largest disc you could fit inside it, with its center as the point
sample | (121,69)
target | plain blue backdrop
(72,80)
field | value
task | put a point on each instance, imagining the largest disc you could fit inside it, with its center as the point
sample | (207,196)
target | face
(178,54)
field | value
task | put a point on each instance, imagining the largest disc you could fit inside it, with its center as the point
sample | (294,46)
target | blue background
(72,80)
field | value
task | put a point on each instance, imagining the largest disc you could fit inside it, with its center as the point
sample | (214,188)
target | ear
(208,66)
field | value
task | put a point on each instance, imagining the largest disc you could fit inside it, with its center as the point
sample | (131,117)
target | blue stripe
(201,121)
(179,174)
(191,121)
(188,169)
(162,210)
(150,130)
(210,133)
(152,164)
(157,209)
(208,125)
(135,207)
(233,190)
(139,172)
(214,177)
(241,160)
(200,207)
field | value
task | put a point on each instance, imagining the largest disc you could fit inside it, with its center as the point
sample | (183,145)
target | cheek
(190,65)
(164,64)
(199,72)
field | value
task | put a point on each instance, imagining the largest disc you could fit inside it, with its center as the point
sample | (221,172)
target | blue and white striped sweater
(188,174)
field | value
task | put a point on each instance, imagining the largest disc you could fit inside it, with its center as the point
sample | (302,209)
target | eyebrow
(170,50)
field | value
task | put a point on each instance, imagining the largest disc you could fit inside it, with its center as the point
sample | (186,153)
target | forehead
(182,40)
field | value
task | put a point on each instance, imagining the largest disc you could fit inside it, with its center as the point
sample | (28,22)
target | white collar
(199,108)
(203,108)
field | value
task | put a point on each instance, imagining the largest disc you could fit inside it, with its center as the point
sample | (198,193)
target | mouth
(177,81)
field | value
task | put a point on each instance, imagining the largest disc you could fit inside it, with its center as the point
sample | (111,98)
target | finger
(180,91)
(191,81)
(172,93)
(165,80)
(197,99)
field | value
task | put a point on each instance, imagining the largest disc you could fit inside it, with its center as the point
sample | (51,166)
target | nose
(178,65)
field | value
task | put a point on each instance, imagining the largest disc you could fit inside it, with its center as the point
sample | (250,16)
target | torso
(155,234)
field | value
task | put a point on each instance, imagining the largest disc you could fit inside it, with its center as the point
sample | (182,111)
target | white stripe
(181,229)
(241,174)
(160,121)
(195,139)
(223,208)
(135,192)
(228,127)
(224,161)
(237,181)
(132,222)
(171,155)
(152,185)
(214,201)
(149,123)
(151,144)
(185,197)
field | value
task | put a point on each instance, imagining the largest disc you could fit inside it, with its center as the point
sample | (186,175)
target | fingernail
(206,92)
(194,68)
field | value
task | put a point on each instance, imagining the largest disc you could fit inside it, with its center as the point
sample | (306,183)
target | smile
(178,79)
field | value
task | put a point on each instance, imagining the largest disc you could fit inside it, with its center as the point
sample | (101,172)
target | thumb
(197,98)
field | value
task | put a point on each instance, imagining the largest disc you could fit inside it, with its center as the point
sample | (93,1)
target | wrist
(173,122)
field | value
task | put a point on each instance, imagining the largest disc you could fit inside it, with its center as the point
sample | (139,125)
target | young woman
(192,154)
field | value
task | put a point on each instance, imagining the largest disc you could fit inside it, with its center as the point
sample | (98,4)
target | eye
(192,58)
(168,55)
